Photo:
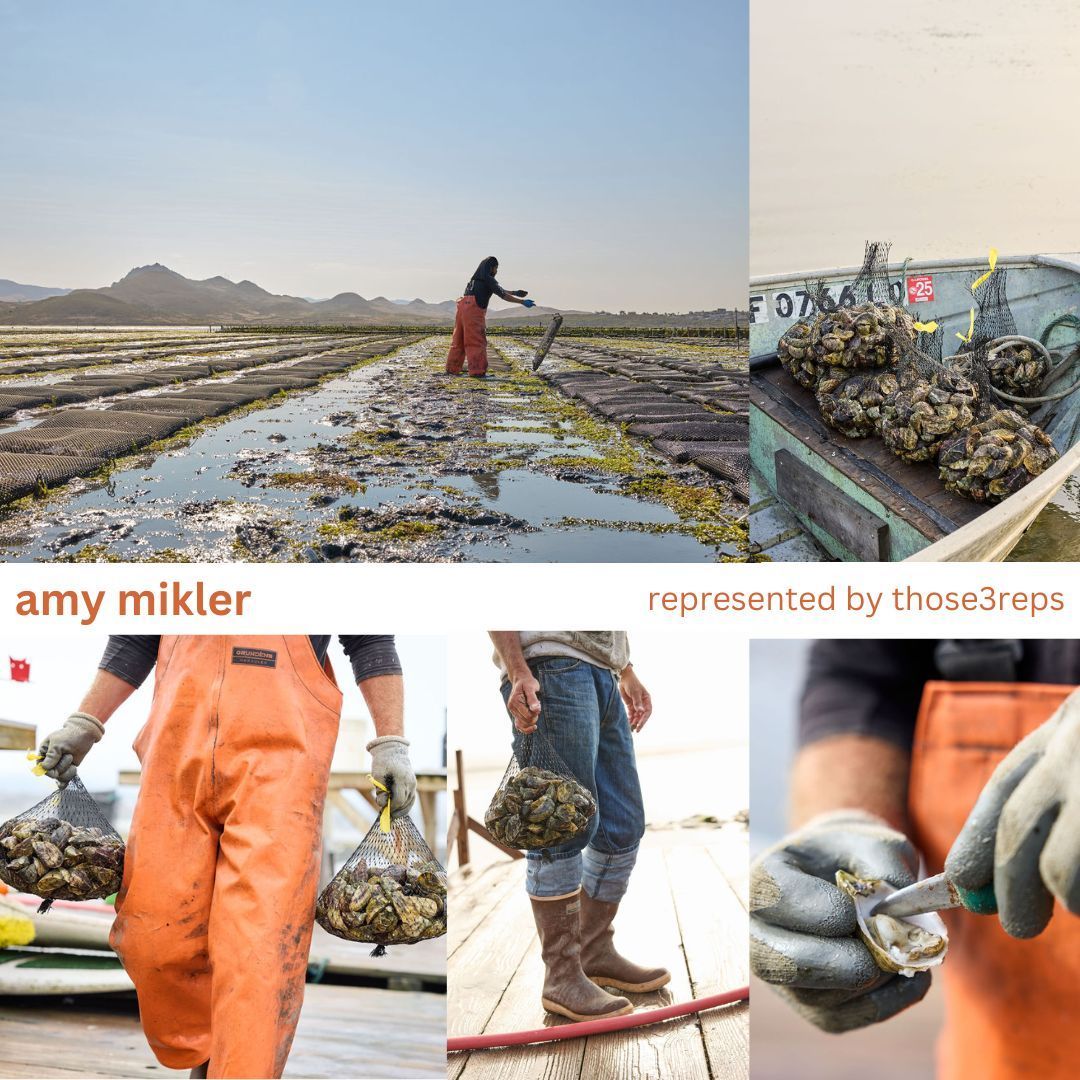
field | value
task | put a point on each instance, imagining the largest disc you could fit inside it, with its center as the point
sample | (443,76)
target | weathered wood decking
(344,1031)
(686,908)
(396,1028)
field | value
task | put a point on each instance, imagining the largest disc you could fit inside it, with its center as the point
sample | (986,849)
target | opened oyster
(537,808)
(797,356)
(924,412)
(388,905)
(865,336)
(996,457)
(60,861)
(905,946)
(852,403)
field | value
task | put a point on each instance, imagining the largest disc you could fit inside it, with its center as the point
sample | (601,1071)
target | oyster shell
(904,946)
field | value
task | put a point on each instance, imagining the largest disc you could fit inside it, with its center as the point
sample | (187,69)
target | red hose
(595,1027)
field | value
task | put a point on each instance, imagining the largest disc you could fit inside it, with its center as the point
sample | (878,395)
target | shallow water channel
(391,461)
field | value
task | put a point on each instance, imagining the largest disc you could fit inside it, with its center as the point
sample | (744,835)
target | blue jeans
(583,718)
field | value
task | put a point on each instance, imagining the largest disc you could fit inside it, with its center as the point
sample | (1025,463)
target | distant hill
(154,295)
(13,292)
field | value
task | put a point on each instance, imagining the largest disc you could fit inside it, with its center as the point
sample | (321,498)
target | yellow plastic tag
(971,327)
(926,327)
(37,770)
(384,816)
(993,266)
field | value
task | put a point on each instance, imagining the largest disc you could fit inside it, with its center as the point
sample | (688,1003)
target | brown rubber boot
(566,989)
(601,962)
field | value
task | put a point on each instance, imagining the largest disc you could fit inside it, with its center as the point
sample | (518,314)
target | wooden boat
(857,500)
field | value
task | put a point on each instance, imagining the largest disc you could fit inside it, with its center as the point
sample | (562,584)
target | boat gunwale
(922,265)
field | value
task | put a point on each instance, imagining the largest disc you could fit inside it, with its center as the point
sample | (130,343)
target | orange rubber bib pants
(1012,1007)
(215,913)
(470,338)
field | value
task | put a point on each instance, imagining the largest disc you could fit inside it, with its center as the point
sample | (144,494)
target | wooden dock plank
(715,929)
(475,896)
(647,928)
(344,1031)
(520,1009)
(484,965)
(683,901)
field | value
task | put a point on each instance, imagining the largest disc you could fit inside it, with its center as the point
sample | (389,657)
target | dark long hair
(488,266)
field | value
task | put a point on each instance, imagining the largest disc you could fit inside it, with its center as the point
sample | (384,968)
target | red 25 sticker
(920,288)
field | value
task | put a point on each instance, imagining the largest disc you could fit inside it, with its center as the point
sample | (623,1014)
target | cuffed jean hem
(556,875)
(605,876)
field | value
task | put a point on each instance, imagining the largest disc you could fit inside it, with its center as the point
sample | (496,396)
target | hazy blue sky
(598,148)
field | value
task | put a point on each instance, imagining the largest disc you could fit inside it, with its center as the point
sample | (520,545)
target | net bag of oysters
(63,848)
(1015,364)
(935,401)
(539,803)
(862,331)
(391,891)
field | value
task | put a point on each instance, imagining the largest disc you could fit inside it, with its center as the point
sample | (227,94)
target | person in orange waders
(215,913)
(967,752)
(470,321)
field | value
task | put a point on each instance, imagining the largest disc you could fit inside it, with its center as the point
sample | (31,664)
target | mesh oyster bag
(935,400)
(391,890)
(864,329)
(539,802)
(1014,364)
(995,457)
(62,848)
(864,336)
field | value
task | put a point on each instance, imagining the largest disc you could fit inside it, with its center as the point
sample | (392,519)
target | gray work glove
(1024,831)
(803,932)
(63,751)
(390,765)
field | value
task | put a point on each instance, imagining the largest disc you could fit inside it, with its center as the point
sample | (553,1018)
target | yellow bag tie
(384,816)
(993,266)
(971,328)
(37,770)
(926,327)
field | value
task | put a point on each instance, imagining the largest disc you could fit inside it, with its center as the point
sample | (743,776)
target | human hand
(62,752)
(1023,834)
(529,303)
(390,765)
(803,929)
(636,699)
(524,704)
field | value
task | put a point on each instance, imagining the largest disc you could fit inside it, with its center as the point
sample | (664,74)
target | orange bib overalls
(1012,1007)
(214,917)
(470,338)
